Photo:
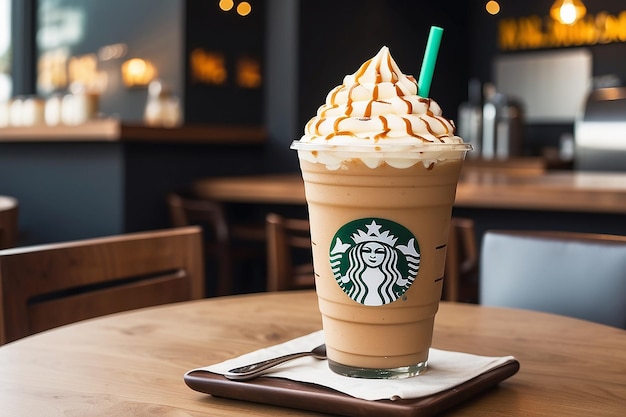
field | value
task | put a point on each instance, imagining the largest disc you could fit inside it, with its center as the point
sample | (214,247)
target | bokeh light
(226,5)
(492,7)
(244,8)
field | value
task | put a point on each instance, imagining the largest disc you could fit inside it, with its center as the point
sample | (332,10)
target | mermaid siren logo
(374,260)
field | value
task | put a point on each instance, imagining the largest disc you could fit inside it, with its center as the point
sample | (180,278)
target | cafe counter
(518,195)
(107,177)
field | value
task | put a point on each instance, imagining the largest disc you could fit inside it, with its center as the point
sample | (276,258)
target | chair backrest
(187,211)
(460,277)
(46,286)
(288,238)
(224,243)
(8,221)
(574,274)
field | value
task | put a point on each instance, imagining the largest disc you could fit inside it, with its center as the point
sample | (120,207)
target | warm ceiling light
(567,11)
(138,72)
(492,7)
(244,8)
(226,5)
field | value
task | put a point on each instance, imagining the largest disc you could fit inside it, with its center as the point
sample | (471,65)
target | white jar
(32,111)
(171,112)
(68,111)
(85,107)
(52,111)
(5,109)
(15,112)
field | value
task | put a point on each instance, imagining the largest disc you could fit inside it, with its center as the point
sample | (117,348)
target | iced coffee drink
(380,166)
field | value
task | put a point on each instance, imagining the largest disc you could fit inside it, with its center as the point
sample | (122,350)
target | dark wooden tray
(304,396)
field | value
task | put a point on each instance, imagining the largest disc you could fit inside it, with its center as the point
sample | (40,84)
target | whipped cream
(376,116)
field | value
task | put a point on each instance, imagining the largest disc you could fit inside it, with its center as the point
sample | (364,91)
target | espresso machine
(600,131)
(493,123)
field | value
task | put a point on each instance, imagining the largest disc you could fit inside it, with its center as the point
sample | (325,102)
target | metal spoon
(244,373)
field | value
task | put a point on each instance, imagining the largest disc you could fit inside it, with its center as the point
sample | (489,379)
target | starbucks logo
(374,260)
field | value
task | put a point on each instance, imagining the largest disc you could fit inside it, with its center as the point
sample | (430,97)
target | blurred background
(515,77)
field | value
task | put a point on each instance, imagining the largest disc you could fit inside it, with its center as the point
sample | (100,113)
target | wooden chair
(46,286)
(461,271)
(286,239)
(287,236)
(8,221)
(223,242)
(580,275)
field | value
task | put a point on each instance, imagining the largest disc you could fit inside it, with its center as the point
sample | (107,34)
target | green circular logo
(374,260)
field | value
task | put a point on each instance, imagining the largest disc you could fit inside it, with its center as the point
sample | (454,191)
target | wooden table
(257,189)
(132,364)
(503,189)
(8,221)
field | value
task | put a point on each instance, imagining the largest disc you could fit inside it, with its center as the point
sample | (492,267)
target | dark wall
(65,191)
(336,37)
(236,38)
(79,190)
(151,170)
(23,62)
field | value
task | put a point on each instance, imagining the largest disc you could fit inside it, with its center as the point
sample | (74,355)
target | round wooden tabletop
(132,364)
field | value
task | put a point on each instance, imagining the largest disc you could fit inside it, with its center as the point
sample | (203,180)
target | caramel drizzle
(409,130)
(336,128)
(400,93)
(394,76)
(431,131)
(445,125)
(335,92)
(385,128)
(362,70)
(350,101)
(429,112)
(379,77)
(332,100)
(318,124)
(368,110)
(323,113)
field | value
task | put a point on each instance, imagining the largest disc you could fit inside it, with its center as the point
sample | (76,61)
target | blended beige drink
(380,166)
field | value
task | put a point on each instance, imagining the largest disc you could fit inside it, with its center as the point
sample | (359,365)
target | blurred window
(6,81)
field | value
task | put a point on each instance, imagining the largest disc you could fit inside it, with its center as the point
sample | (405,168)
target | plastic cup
(379,221)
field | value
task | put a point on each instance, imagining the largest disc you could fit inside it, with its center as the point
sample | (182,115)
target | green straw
(430,58)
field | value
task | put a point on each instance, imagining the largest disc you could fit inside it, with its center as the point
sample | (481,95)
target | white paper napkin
(445,370)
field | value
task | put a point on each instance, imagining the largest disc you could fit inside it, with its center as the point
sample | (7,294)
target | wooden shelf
(111,130)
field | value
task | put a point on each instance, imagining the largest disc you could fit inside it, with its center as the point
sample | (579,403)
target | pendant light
(567,11)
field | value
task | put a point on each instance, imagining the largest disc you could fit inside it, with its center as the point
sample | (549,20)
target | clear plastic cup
(379,220)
